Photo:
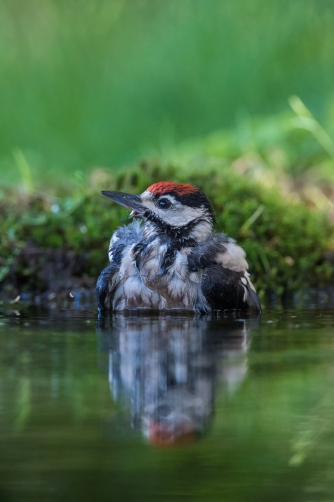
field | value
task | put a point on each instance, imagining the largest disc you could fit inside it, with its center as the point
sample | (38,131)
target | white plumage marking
(234,258)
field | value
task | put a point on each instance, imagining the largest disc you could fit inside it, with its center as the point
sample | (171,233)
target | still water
(166,408)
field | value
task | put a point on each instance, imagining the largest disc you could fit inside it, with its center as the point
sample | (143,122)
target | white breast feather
(128,266)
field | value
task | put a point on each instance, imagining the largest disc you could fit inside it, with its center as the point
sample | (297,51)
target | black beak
(127,200)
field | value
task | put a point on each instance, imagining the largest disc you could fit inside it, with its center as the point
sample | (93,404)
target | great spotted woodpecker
(173,259)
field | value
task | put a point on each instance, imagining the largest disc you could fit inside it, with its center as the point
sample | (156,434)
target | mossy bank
(55,245)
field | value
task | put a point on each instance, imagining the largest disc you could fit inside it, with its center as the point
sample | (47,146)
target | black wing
(225,289)
(106,283)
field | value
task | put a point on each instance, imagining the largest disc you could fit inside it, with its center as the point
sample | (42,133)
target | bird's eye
(164,203)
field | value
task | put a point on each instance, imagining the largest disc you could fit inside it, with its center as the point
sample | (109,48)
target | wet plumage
(169,257)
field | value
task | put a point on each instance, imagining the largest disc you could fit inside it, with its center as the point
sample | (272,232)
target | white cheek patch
(177,215)
(180,215)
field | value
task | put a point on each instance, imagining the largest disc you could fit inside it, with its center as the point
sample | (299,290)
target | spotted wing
(226,289)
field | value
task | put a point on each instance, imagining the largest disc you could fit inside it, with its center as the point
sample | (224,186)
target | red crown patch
(169,186)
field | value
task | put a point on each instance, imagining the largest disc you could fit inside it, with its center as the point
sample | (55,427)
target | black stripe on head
(194,199)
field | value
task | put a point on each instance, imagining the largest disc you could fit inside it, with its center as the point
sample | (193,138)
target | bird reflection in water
(165,369)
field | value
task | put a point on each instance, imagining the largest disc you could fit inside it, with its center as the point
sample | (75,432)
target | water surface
(166,408)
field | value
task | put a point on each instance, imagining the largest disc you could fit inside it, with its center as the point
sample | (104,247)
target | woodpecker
(169,257)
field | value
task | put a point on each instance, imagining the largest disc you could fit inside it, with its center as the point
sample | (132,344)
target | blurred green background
(107,82)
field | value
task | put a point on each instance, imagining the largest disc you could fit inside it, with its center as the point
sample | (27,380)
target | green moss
(286,241)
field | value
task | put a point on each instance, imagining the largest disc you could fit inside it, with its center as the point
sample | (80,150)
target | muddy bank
(40,275)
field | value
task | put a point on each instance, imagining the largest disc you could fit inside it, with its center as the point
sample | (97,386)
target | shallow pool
(166,408)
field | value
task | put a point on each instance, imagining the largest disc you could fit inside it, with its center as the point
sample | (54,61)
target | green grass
(235,97)
(104,82)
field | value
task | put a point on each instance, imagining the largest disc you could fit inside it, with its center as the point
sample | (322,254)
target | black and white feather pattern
(109,279)
(157,271)
(225,282)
